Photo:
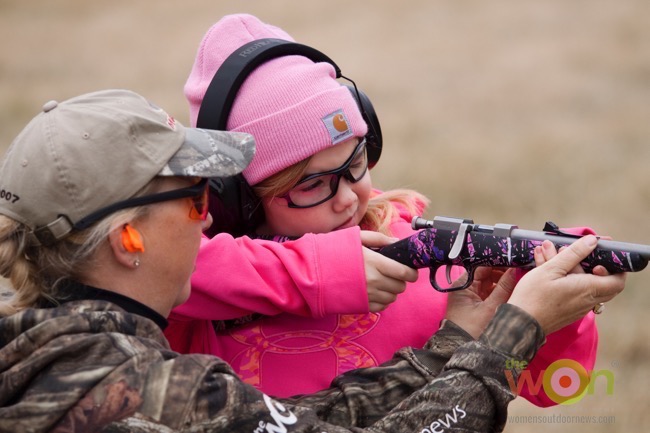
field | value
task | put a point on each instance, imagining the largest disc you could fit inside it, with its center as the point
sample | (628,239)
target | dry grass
(506,111)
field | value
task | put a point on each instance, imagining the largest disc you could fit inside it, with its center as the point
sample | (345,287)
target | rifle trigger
(459,242)
(448,274)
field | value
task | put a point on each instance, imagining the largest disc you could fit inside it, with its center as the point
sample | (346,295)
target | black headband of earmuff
(233,205)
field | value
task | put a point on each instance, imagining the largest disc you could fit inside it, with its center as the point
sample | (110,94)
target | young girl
(312,178)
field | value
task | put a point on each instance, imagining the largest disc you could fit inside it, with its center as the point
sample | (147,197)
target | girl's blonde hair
(382,207)
(35,272)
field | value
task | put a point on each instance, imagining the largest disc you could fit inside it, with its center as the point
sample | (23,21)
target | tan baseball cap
(97,149)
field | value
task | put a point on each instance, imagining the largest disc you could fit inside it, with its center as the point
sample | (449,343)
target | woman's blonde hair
(381,207)
(35,272)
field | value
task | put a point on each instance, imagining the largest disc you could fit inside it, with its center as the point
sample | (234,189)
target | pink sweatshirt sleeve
(313,276)
(576,342)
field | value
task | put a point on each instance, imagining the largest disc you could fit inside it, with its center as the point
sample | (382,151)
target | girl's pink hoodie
(315,322)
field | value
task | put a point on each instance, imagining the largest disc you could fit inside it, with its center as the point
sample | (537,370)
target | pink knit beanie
(292,106)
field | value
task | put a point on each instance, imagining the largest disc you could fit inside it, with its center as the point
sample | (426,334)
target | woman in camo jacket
(103,204)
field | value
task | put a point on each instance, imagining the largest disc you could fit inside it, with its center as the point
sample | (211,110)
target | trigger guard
(432,279)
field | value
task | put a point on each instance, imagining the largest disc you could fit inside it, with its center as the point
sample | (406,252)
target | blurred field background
(504,112)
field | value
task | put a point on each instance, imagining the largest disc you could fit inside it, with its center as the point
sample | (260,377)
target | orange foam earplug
(131,239)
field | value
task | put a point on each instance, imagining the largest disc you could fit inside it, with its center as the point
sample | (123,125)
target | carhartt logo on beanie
(292,106)
(338,126)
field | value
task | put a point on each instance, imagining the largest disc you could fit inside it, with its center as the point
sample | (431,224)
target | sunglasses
(317,188)
(198,193)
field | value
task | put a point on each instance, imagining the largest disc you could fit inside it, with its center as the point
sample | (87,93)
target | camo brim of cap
(210,153)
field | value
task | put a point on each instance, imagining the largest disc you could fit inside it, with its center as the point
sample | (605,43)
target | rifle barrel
(603,244)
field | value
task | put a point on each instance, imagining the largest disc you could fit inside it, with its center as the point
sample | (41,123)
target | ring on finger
(599,308)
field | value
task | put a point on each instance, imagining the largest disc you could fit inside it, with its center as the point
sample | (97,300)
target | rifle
(452,242)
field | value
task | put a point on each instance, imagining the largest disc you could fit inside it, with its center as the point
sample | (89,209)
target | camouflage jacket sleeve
(461,384)
(411,393)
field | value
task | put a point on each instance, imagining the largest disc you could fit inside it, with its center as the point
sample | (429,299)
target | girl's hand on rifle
(385,278)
